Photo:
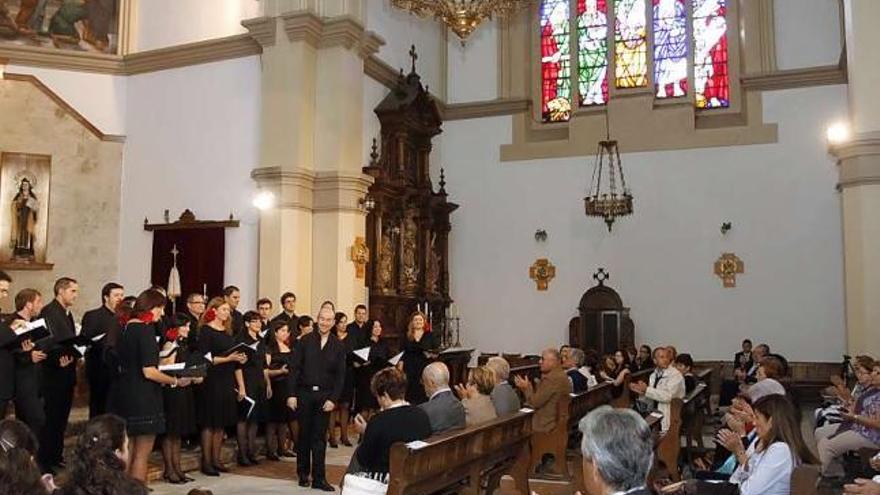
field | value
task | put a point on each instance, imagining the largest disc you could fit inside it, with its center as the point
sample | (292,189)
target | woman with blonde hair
(476,396)
(218,399)
(418,341)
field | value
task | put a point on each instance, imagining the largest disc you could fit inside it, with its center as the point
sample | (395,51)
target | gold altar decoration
(360,255)
(462,17)
(727,268)
(542,272)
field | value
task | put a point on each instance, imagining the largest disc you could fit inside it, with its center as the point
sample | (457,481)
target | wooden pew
(553,442)
(470,461)
(669,447)
(693,418)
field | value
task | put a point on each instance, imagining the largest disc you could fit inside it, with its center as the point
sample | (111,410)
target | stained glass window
(592,32)
(555,61)
(711,76)
(670,48)
(630,44)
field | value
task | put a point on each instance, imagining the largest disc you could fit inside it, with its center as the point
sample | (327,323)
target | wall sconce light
(367,203)
(725,228)
(264,200)
(540,235)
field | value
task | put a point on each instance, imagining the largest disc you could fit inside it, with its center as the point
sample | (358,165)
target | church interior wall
(780,199)
(84,190)
(165,23)
(192,142)
(808,33)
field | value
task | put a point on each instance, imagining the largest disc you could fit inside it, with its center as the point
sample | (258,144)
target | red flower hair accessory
(171,334)
(210,315)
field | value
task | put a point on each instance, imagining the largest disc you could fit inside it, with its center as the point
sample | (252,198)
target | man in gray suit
(444,409)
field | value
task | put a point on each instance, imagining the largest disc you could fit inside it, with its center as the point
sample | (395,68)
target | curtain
(200,260)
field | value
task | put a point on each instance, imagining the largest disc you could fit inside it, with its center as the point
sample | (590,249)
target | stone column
(859,167)
(312,148)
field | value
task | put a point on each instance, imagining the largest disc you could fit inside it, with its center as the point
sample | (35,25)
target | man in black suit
(743,360)
(288,312)
(95,325)
(28,406)
(618,450)
(233,296)
(264,309)
(8,345)
(318,376)
(358,327)
(59,372)
(195,306)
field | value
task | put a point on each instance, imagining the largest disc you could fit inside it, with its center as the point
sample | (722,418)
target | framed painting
(93,26)
(24,210)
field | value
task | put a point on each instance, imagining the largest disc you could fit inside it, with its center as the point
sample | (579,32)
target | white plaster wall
(781,199)
(477,57)
(192,142)
(163,23)
(100,98)
(402,30)
(808,33)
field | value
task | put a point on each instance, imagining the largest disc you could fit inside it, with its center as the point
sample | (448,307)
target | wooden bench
(695,409)
(669,447)
(470,461)
(553,442)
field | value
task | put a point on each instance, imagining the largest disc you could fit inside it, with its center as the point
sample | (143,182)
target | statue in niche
(410,272)
(432,272)
(385,269)
(24,220)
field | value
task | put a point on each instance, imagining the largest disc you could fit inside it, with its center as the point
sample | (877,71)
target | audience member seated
(769,369)
(865,486)
(19,473)
(580,376)
(860,429)
(443,408)
(475,396)
(684,363)
(643,360)
(503,396)
(664,384)
(740,421)
(743,360)
(831,411)
(618,451)
(396,422)
(730,388)
(614,370)
(99,458)
(544,398)
(765,467)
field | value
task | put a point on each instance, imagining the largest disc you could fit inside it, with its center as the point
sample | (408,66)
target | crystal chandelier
(461,16)
(606,198)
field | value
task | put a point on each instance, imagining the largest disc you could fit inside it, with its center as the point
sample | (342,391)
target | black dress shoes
(210,471)
(323,486)
(221,468)
(304,482)
(244,461)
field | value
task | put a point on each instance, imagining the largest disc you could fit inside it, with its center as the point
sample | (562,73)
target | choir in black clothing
(295,371)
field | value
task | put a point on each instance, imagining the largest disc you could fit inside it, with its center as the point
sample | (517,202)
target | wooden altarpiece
(408,226)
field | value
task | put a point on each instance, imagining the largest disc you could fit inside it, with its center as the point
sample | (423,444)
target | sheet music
(172,367)
(31,326)
(209,357)
(396,359)
(417,444)
(99,338)
(364,354)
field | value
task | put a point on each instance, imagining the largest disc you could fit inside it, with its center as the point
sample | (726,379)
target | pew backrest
(460,458)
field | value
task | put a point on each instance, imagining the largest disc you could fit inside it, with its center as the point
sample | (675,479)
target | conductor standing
(317,380)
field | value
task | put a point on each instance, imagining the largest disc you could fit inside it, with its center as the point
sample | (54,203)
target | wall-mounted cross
(601,276)
(414,56)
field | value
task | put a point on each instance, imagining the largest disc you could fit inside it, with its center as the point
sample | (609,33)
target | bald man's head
(435,376)
(326,320)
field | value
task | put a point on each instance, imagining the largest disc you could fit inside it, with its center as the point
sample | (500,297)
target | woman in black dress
(281,418)
(218,400)
(137,390)
(180,403)
(342,412)
(256,380)
(414,359)
(365,402)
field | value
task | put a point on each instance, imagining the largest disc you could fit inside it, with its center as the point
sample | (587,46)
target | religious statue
(432,272)
(24,220)
(385,269)
(410,272)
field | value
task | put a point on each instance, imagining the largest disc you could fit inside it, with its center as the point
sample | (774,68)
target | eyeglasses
(197,302)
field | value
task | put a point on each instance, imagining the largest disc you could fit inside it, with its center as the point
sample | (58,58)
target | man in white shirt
(664,384)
